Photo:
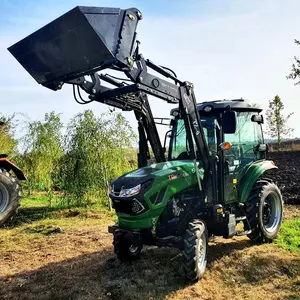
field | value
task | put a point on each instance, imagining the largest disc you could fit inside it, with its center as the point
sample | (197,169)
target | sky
(227,48)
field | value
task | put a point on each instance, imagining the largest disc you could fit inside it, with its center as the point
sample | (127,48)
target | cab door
(243,152)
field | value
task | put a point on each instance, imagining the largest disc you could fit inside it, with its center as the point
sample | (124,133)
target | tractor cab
(233,133)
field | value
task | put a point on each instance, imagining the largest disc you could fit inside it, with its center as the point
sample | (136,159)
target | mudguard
(8,165)
(251,175)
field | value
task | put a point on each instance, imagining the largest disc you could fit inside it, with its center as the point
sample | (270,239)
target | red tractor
(10,189)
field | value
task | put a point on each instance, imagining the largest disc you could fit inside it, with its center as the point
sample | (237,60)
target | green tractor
(210,178)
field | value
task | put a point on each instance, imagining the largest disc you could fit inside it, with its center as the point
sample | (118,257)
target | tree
(295,73)
(276,122)
(8,144)
(95,153)
(43,149)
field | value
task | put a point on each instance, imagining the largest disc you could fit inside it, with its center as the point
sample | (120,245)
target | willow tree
(42,151)
(95,153)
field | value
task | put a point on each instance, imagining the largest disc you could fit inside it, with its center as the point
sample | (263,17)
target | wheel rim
(4,197)
(272,210)
(133,248)
(201,251)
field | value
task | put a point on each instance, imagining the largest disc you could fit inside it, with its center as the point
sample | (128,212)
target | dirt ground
(79,264)
(288,174)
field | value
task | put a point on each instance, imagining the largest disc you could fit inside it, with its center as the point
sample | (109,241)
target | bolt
(131,17)
(93,91)
(139,14)
(130,61)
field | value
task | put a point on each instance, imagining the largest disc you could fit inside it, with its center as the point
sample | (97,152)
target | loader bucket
(80,42)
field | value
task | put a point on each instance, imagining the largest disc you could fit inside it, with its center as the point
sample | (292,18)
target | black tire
(10,195)
(195,250)
(125,250)
(264,211)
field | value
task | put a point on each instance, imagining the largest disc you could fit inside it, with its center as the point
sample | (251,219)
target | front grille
(128,206)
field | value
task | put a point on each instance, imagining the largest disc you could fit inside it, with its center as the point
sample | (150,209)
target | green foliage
(43,149)
(8,144)
(96,151)
(295,73)
(276,121)
(289,237)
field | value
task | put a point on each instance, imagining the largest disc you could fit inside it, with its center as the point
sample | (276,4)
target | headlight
(130,192)
(111,189)
(207,108)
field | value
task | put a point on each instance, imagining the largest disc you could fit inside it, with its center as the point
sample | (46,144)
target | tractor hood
(168,170)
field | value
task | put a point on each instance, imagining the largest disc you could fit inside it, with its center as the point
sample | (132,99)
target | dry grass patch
(79,263)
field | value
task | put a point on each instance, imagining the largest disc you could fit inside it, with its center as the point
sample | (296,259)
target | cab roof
(235,104)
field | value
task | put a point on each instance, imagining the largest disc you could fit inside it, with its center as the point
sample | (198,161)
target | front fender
(250,176)
(8,165)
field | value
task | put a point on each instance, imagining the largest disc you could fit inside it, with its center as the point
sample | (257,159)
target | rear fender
(251,175)
(8,165)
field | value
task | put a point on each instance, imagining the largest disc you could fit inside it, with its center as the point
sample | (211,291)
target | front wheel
(195,250)
(264,210)
(125,250)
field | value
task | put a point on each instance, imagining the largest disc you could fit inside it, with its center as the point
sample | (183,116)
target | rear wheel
(264,210)
(10,194)
(195,250)
(125,250)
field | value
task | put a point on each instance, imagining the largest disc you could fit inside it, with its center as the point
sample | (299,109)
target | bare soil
(288,174)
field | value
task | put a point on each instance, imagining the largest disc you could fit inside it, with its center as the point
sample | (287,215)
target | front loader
(210,178)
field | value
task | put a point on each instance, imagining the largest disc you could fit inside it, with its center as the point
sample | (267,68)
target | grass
(289,237)
(37,207)
(37,261)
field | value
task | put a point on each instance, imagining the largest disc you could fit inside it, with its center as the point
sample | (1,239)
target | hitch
(132,236)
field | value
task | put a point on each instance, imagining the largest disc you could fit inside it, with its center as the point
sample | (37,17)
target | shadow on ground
(29,215)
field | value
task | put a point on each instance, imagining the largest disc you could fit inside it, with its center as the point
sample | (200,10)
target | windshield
(179,147)
(179,143)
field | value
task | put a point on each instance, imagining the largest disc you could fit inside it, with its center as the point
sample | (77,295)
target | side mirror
(229,122)
(258,119)
(262,148)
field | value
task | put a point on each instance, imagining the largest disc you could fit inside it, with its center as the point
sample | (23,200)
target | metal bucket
(80,42)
